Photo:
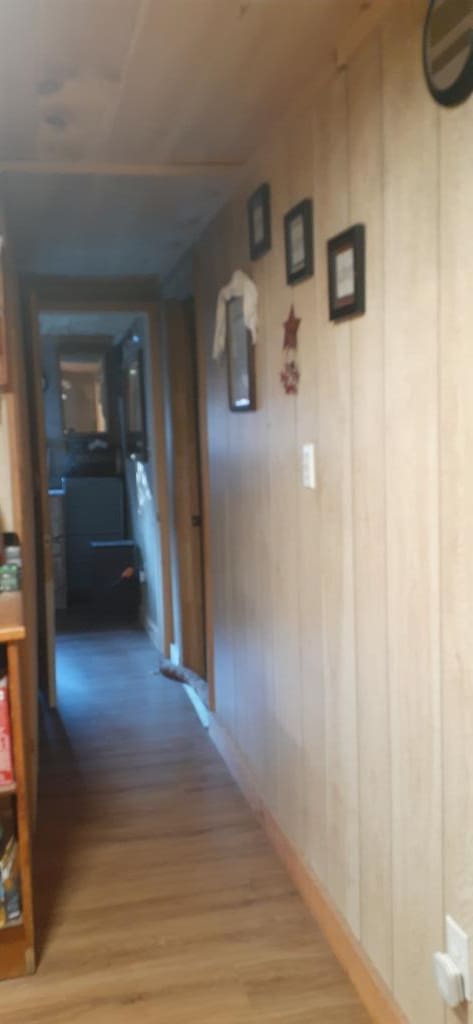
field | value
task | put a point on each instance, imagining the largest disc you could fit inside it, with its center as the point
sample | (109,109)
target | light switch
(309,478)
(458,948)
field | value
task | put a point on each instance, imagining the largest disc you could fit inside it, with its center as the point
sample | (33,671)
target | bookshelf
(18,619)
(17,955)
(8,790)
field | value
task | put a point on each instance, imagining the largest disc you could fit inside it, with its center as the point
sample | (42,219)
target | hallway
(158,896)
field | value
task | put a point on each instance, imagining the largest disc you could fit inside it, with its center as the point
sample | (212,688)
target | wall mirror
(84,394)
(134,407)
(240,360)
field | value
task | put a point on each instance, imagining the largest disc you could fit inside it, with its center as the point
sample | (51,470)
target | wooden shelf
(16,952)
(8,790)
(17,941)
(12,924)
(12,625)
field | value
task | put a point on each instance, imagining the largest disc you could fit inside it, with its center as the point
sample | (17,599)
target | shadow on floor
(66,799)
(60,777)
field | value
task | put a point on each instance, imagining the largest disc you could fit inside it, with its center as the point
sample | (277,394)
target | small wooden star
(291,328)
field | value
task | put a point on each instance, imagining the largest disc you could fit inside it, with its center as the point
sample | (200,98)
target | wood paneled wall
(342,618)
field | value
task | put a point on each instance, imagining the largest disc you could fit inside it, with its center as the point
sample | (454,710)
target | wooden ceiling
(142,110)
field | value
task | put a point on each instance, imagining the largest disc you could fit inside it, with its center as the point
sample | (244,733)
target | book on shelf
(6,759)
(10,890)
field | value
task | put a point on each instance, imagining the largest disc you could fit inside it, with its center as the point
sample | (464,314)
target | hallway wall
(343,640)
(143,496)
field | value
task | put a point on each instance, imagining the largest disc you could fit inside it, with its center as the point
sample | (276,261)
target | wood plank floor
(159,900)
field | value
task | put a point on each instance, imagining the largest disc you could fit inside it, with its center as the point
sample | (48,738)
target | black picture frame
(450,81)
(241,370)
(259,221)
(299,242)
(346,273)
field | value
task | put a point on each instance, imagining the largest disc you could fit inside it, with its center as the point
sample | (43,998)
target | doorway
(100,480)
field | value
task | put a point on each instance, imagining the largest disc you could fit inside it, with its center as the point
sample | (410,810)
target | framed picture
(299,242)
(259,222)
(240,360)
(346,273)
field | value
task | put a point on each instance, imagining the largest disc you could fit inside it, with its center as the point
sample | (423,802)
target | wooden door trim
(157,447)
(184,469)
(135,296)
(44,557)
(200,351)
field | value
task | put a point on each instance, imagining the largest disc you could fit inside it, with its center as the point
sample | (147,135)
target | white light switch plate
(309,479)
(458,949)
(449,980)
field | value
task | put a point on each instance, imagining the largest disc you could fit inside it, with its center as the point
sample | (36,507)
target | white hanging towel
(240,286)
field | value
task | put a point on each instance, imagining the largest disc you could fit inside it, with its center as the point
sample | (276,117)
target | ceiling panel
(123,123)
(18,99)
(81,65)
(154,80)
(107,226)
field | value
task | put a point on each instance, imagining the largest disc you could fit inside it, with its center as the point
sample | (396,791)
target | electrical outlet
(458,949)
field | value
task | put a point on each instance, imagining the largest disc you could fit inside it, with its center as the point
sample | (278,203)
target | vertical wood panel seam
(442,797)
(269,664)
(303,824)
(322,682)
(382,57)
(138,26)
(379,33)
(353,544)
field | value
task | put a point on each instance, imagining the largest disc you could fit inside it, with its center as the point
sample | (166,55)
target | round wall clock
(448,50)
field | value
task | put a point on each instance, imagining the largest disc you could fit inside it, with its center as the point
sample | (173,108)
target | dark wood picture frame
(259,221)
(299,242)
(347,281)
(241,368)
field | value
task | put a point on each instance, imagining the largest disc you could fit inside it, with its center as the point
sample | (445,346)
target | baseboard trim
(199,707)
(153,633)
(370,987)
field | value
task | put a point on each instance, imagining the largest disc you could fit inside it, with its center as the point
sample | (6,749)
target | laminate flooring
(158,898)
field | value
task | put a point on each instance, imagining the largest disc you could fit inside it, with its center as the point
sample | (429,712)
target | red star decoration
(291,328)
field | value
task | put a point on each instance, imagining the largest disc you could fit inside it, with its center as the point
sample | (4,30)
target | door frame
(184,473)
(44,561)
(131,295)
(201,361)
